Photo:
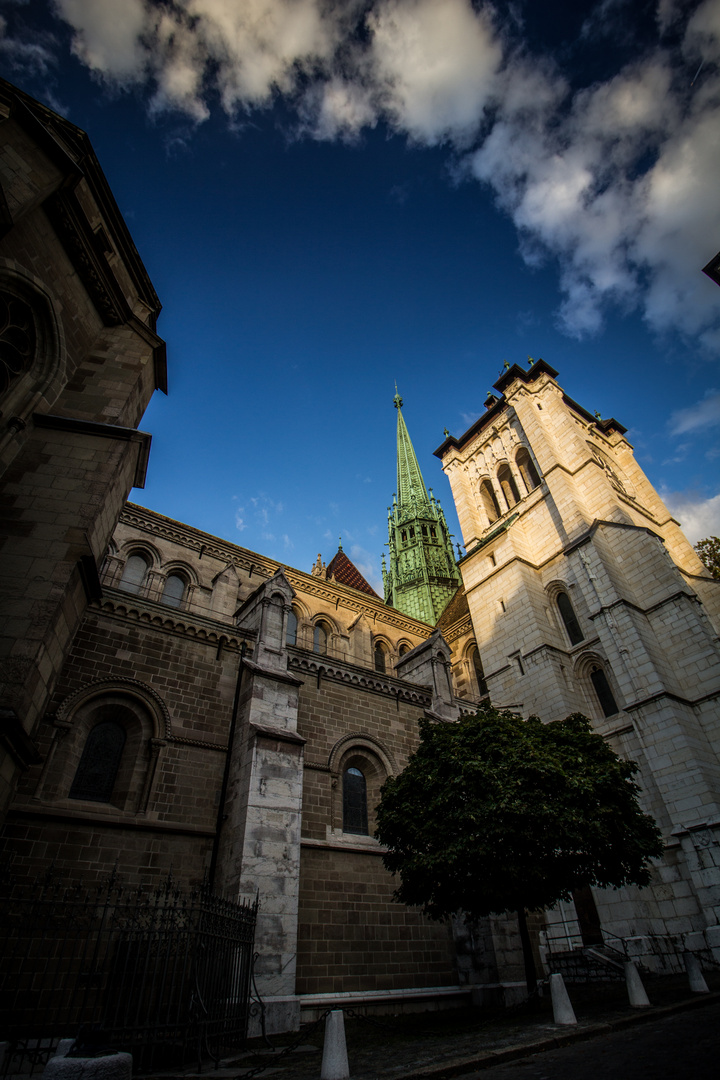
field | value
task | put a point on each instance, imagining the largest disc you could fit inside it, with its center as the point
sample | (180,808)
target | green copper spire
(410,484)
(423,576)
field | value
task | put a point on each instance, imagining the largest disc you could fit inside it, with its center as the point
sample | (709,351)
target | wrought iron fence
(163,973)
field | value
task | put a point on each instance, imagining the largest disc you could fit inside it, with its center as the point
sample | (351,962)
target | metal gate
(164,974)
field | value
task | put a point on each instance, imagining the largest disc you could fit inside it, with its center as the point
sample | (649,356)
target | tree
(709,551)
(494,813)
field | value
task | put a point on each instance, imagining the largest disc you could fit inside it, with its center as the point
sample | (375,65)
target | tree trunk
(528,958)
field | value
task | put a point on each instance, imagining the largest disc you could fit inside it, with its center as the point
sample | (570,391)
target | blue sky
(330,197)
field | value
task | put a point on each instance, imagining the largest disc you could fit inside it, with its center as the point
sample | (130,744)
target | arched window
(403,650)
(355,816)
(17,338)
(292,628)
(508,485)
(604,694)
(380,657)
(99,764)
(478,672)
(320,638)
(492,506)
(134,574)
(569,618)
(174,591)
(527,469)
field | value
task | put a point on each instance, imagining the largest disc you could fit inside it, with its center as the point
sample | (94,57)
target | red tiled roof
(346,573)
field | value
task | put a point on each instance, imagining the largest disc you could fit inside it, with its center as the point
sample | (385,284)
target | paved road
(685,1046)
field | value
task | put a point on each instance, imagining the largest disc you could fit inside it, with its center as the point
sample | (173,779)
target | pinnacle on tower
(422,577)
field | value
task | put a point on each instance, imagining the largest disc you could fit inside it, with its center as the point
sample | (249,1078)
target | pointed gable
(342,570)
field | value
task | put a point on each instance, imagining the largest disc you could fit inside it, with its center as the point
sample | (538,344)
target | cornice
(361,679)
(158,616)
(331,592)
(462,626)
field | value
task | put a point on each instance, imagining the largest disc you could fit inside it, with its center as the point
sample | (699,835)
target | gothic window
(508,486)
(403,649)
(292,628)
(403,536)
(480,684)
(380,657)
(355,816)
(604,694)
(526,465)
(134,574)
(17,338)
(412,533)
(320,638)
(99,764)
(432,531)
(174,591)
(492,506)
(569,618)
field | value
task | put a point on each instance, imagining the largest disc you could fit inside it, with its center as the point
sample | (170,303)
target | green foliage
(709,551)
(495,813)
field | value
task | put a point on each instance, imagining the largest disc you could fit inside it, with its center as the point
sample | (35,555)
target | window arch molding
(475,671)
(115,704)
(565,615)
(183,573)
(319,623)
(382,647)
(489,499)
(45,375)
(507,482)
(369,757)
(526,466)
(586,669)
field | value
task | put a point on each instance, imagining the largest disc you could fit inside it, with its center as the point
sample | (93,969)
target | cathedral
(174,703)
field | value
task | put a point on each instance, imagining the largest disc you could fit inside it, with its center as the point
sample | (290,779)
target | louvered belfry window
(99,764)
(355,819)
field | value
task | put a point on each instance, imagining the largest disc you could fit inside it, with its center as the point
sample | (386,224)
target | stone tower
(423,575)
(585,596)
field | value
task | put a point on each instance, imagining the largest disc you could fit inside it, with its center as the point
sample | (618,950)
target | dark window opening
(403,536)
(99,764)
(432,531)
(380,663)
(569,618)
(355,819)
(508,485)
(17,339)
(526,465)
(602,689)
(492,506)
(412,533)
(424,530)
(479,674)
(292,628)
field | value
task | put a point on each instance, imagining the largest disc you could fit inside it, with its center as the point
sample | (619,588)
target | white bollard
(562,1008)
(636,990)
(695,975)
(334,1060)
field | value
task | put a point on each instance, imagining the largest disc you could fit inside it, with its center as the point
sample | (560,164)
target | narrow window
(17,339)
(432,532)
(569,618)
(403,650)
(134,574)
(492,506)
(99,764)
(412,533)
(602,689)
(479,674)
(526,465)
(174,591)
(380,663)
(424,530)
(508,485)
(320,638)
(403,536)
(354,802)
(292,628)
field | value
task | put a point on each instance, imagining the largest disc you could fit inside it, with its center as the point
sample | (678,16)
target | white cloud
(698,516)
(703,414)
(616,182)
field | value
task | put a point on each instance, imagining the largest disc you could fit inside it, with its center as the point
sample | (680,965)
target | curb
(512,1053)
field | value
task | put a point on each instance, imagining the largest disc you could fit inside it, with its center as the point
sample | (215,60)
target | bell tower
(423,575)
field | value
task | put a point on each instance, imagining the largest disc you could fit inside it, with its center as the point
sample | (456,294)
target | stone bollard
(695,975)
(636,990)
(562,1008)
(334,1060)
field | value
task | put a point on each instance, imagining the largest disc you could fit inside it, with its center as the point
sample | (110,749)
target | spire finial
(397,400)
(339,543)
